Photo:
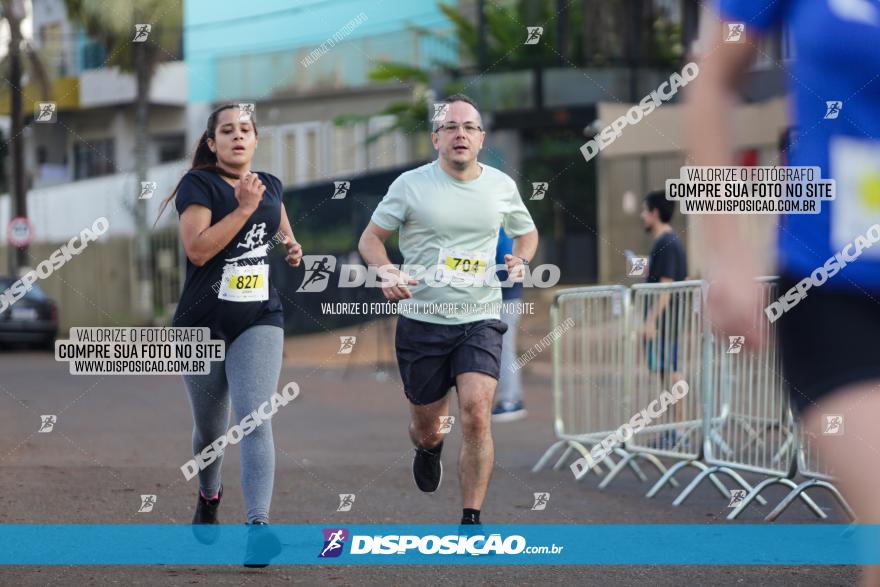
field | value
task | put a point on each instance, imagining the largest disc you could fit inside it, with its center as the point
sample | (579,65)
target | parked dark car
(32,319)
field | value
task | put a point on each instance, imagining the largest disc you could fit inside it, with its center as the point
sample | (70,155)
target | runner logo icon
(446,423)
(541,500)
(736,344)
(539,190)
(833,108)
(47,422)
(833,424)
(637,266)
(440,110)
(736,497)
(340,189)
(534,34)
(45,112)
(346,500)
(318,270)
(142,32)
(246,111)
(346,345)
(334,541)
(147,503)
(254,236)
(147,189)
(734,32)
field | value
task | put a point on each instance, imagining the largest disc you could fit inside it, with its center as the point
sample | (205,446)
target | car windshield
(35,293)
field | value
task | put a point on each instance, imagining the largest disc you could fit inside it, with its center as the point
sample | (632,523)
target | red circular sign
(20,232)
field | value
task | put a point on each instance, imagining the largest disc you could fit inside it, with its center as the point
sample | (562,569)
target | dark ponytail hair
(204,159)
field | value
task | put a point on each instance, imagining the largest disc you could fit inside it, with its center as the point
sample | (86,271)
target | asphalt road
(118,437)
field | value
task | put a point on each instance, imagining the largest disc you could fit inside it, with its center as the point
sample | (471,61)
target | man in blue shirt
(509,402)
(828,337)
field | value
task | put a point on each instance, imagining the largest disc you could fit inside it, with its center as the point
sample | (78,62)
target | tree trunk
(143,252)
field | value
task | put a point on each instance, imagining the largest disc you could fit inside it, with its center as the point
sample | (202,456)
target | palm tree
(503,31)
(595,33)
(116,25)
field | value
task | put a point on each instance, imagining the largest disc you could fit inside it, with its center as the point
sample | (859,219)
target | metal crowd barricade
(749,424)
(735,418)
(589,372)
(665,344)
(818,475)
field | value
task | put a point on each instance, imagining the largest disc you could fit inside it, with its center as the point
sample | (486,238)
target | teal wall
(258,45)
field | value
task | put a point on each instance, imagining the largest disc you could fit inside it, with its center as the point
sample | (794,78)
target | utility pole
(14,13)
(481,34)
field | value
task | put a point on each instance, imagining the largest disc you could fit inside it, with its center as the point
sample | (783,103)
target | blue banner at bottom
(654,544)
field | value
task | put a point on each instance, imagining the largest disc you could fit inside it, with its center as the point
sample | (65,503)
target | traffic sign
(20,232)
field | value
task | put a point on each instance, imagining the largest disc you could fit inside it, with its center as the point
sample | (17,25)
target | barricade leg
(558,464)
(755,492)
(596,468)
(548,454)
(709,472)
(669,478)
(570,445)
(799,491)
(629,460)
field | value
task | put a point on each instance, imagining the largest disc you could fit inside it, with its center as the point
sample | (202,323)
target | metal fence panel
(672,353)
(753,428)
(589,366)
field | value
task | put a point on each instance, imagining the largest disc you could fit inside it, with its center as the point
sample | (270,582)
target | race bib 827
(249,283)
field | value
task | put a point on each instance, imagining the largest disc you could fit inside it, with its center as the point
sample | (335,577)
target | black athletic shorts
(828,340)
(431,355)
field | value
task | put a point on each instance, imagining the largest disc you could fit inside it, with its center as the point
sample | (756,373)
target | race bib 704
(462,265)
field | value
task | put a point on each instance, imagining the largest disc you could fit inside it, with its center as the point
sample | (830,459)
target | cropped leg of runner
(209,400)
(424,431)
(853,455)
(425,422)
(253,365)
(475,395)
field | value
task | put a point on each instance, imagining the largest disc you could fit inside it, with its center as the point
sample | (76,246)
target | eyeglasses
(451,127)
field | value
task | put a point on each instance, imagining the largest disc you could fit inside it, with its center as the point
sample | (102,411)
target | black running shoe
(469,527)
(262,546)
(206,509)
(206,528)
(427,468)
(469,520)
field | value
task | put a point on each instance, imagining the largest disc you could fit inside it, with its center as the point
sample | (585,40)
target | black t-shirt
(200,302)
(667,259)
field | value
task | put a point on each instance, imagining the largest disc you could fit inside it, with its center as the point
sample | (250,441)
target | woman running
(230,217)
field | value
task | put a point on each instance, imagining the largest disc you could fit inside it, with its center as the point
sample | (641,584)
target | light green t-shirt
(450,227)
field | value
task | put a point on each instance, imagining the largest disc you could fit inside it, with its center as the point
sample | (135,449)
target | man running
(448,213)
(828,340)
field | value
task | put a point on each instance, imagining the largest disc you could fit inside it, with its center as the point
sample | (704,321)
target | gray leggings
(249,376)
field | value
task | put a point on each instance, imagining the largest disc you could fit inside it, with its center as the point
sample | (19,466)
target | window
(170,147)
(93,158)
(93,54)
